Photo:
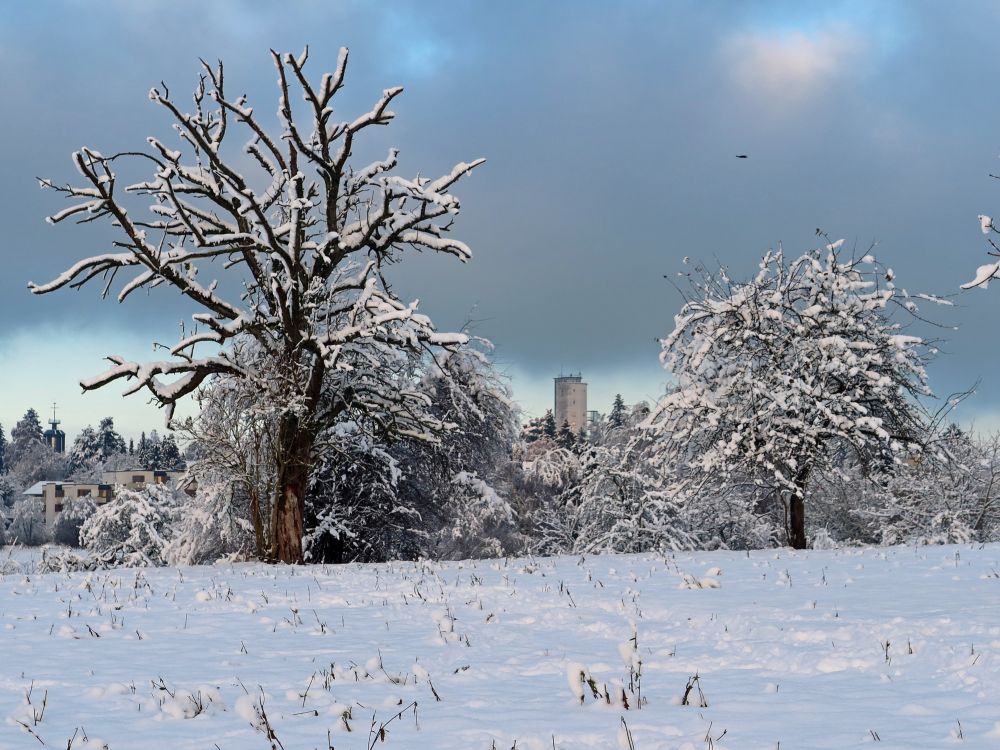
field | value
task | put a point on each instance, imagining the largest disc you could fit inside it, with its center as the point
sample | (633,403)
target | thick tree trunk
(288,508)
(796,522)
(797,509)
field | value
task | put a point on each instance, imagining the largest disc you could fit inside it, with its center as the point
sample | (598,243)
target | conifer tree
(26,435)
(550,424)
(618,412)
(566,437)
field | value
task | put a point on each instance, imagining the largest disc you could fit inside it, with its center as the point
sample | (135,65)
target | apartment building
(54,494)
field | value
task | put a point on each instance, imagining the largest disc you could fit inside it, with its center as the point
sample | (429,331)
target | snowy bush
(27,524)
(66,527)
(555,469)
(482,523)
(949,494)
(355,512)
(212,525)
(134,528)
(622,504)
(8,491)
(63,561)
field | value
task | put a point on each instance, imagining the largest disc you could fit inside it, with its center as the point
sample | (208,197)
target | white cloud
(789,67)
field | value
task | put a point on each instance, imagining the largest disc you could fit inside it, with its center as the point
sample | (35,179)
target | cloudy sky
(610,130)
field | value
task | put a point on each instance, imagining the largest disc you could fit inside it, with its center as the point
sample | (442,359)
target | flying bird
(741,156)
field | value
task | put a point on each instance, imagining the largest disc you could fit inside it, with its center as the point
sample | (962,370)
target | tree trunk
(796,522)
(288,508)
(797,509)
(257,518)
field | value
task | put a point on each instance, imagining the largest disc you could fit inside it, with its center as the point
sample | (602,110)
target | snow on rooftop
(38,488)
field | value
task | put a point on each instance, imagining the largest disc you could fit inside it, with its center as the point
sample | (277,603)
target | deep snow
(821,649)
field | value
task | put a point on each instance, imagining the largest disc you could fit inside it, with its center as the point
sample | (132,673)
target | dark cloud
(611,132)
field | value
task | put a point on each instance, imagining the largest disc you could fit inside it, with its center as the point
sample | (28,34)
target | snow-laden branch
(302,240)
(288,243)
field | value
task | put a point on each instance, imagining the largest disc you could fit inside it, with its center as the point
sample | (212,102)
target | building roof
(38,488)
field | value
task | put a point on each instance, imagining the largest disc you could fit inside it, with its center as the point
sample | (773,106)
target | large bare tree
(300,245)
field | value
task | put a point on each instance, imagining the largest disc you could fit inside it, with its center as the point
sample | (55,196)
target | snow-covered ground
(824,649)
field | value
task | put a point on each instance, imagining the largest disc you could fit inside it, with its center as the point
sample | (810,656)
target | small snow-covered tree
(232,442)
(534,429)
(24,438)
(134,528)
(623,501)
(778,374)
(482,523)
(619,413)
(950,494)
(110,442)
(66,527)
(304,243)
(27,524)
(212,526)
(355,513)
(566,437)
(549,424)
(8,490)
(148,454)
(466,393)
(555,469)
(85,450)
(170,455)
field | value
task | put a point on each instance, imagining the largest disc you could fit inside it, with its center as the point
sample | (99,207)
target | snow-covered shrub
(553,470)
(134,528)
(66,527)
(63,561)
(622,504)
(379,496)
(948,494)
(354,511)
(8,491)
(822,539)
(482,523)
(27,524)
(211,526)
(232,447)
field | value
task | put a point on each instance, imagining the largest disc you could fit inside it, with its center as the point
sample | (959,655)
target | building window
(138,479)
(59,507)
(82,493)
(60,492)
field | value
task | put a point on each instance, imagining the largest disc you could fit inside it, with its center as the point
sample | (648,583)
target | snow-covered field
(825,649)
